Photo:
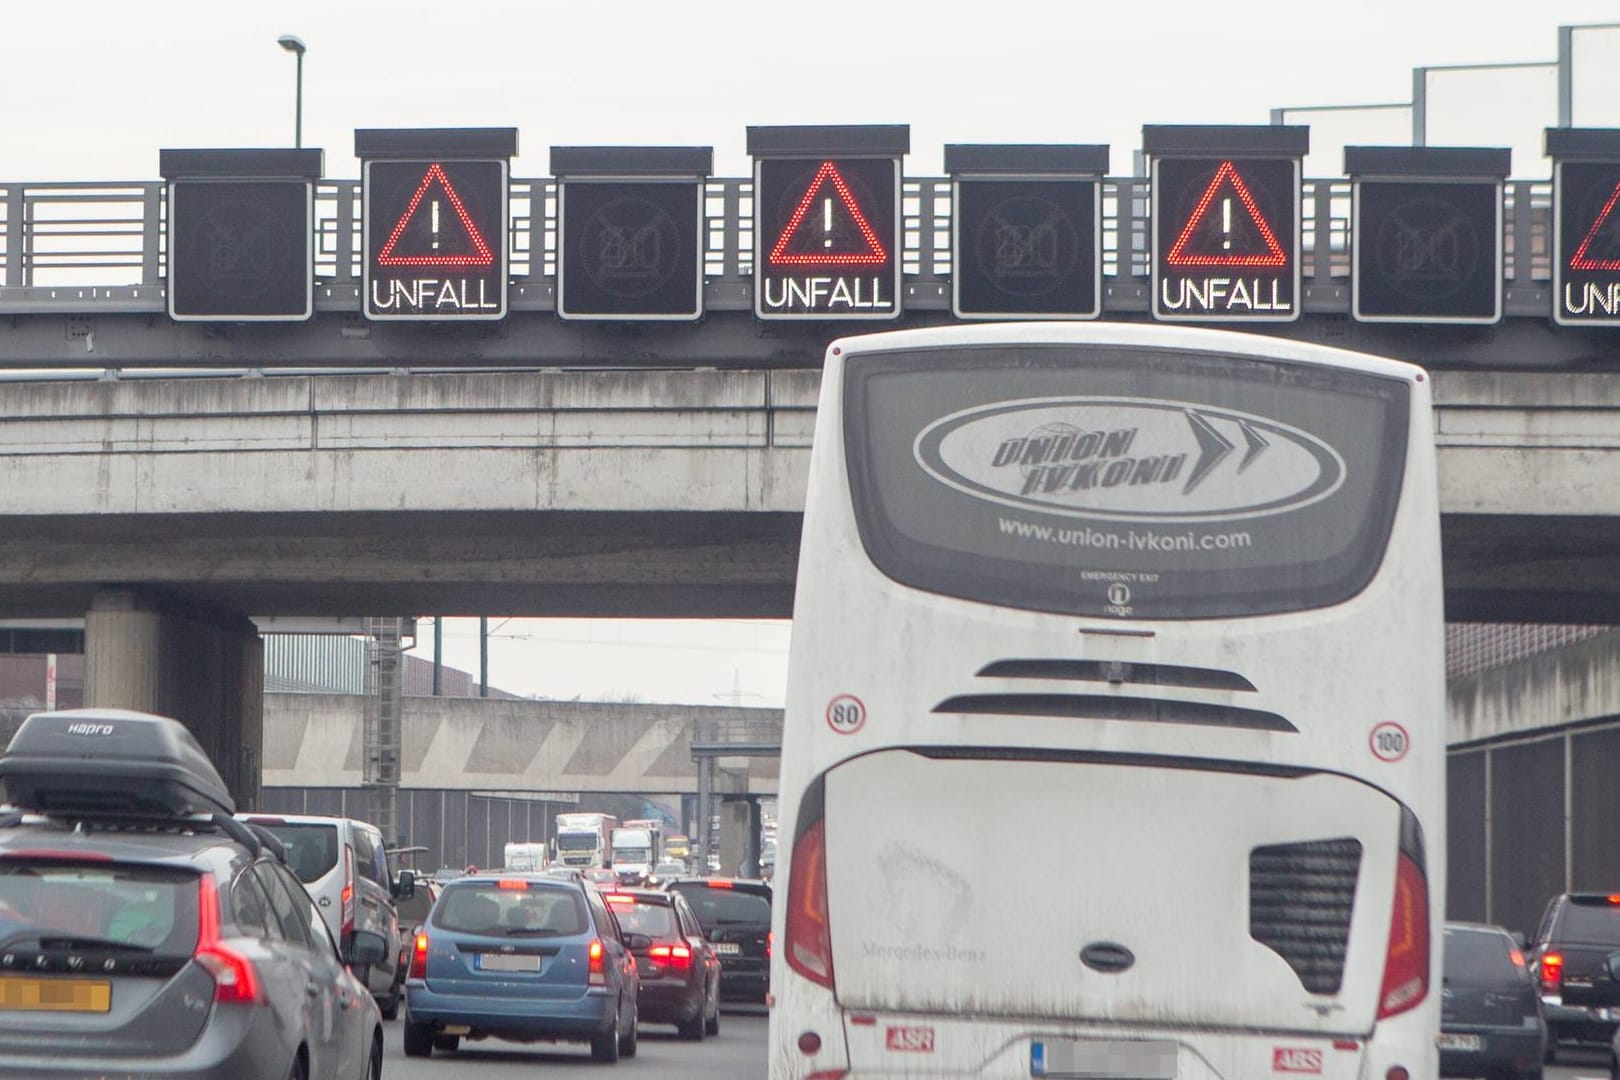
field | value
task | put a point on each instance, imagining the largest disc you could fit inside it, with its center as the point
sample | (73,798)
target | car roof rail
(268,840)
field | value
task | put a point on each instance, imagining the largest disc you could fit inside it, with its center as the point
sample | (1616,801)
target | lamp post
(293,44)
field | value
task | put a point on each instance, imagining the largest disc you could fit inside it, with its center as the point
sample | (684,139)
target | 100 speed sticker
(1389,741)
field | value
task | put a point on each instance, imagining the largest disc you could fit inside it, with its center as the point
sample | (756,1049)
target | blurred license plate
(55,995)
(499,962)
(1100,1059)
(727,948)
(1449,1041)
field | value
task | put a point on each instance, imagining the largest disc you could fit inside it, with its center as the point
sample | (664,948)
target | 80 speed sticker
(846,714)
(1389,741)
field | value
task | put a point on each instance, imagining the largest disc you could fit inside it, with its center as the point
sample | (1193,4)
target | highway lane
(737,1053)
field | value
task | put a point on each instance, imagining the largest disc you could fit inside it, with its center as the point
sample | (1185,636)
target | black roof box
(110,763)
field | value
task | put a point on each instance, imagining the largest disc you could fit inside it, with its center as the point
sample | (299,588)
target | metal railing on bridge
(71,248)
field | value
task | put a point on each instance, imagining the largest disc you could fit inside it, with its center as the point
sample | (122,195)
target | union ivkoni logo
(1129,459)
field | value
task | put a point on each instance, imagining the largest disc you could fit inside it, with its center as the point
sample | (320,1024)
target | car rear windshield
(312,849)
(80,906)
(1590,922)
(717,907)
(1479,958)
(511,909)
(646,917)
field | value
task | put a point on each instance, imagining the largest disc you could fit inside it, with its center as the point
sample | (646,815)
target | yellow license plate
(55,995)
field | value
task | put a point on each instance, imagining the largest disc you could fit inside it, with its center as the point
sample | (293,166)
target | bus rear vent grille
(1300,900)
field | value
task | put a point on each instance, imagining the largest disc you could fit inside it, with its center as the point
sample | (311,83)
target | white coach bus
(1114,741)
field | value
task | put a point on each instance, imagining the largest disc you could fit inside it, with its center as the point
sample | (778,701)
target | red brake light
(770,942)
(1614,898)
(419,953)
(235,980)
(598,975)
(619,898)
(1552,971)
(721,883)
(516,884)
(1406,961)
(809,938)
(676,956)
(346,898)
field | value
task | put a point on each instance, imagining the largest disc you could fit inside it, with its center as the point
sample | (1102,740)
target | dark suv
(144,931)
(1490,1014)
(1567,956)
(735,914)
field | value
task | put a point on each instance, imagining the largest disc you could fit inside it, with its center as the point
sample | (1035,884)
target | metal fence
(102,246)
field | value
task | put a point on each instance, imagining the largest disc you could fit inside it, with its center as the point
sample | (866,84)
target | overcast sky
(95,88)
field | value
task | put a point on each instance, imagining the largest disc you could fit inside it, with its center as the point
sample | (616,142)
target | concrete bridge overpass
(619,493)
(567,747)
(163,511)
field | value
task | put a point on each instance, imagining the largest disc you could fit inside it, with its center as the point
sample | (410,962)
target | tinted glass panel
(312,850)
(250,908)
(284,906)
(1479,958)
(535,910)
(1120,481)
(726,907)
(134,905)
(1592,924)
(657,920)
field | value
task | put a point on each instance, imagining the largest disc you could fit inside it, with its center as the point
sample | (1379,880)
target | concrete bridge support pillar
(204,668)
(739,837)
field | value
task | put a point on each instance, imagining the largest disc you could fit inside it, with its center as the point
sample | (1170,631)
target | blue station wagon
(523,957)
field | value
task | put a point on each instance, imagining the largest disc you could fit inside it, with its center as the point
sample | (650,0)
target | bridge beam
(203,667)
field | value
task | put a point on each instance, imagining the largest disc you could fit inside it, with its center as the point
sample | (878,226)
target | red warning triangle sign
(1222,242)
(826,240)
(1583,259)
(451,247)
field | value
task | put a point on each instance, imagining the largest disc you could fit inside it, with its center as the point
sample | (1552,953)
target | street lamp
(293,44)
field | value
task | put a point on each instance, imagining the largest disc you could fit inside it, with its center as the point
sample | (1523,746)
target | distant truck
(585,840)
(527,856)
(637,847)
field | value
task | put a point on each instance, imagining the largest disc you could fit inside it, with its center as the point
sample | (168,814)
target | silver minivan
(344,865)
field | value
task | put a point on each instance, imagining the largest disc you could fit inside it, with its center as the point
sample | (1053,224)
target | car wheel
(389,1007)
(448,1043)
(711,1026)
(1535,1074)
(692,1030)
(605,1047)
(627,1045)
(418,1040)
(300,1070)
(1551,1055)
(374,1062)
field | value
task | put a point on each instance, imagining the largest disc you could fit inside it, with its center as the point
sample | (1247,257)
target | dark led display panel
(1586,256)
(826,238)
(1427,251)
(1226,239)
(435,239)
(241,250)
(1027,248)
(630,250)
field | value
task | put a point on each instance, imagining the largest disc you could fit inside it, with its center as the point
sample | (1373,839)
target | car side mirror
(366,947)
(404,885)
(634,941)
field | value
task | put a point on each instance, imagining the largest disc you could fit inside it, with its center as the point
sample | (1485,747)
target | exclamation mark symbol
(435,224)
(1226,221)
(826,222)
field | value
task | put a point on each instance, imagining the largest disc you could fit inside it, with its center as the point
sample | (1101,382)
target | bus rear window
(1122,481)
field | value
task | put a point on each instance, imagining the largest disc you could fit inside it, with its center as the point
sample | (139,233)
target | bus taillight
(1406,962)
(809,939)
